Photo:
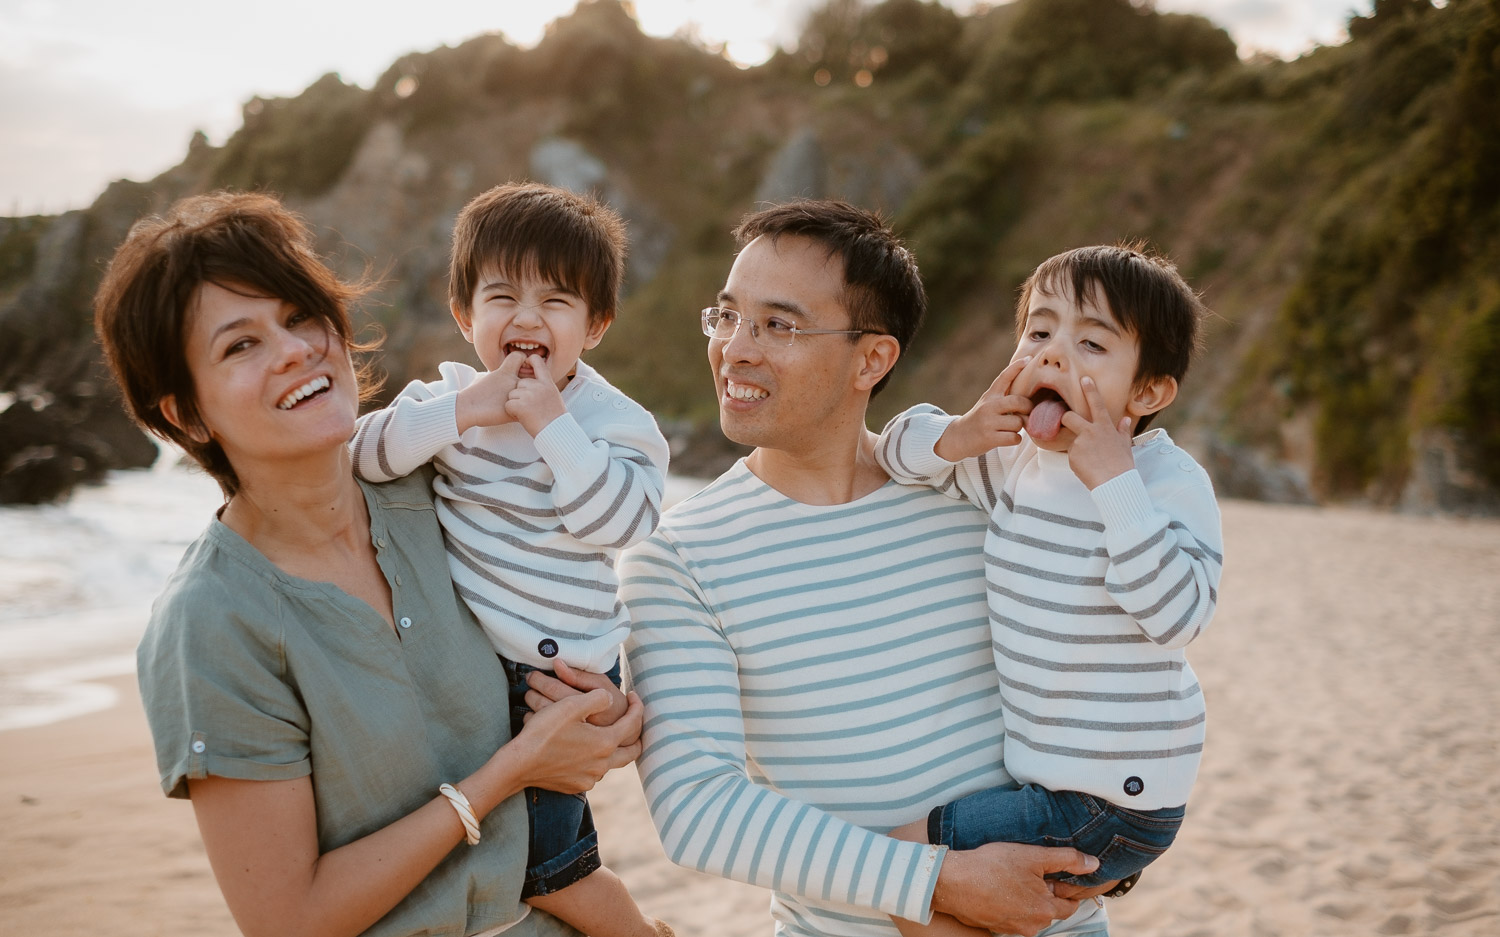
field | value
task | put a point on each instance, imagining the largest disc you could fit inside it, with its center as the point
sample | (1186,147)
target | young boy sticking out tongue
(1103,558)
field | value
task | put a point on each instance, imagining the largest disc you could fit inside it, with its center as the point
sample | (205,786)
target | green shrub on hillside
(297,146)
(1356,332)
(961,212)
(1089,49)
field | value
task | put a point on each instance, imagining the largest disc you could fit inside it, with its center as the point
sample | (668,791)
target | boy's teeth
(744,391)
(306,390)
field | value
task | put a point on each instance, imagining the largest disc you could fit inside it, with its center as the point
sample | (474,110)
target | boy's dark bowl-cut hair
(882,287)
(1146,295)
(246,243)
(527,229)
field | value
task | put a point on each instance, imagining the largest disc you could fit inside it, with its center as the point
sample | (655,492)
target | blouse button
(380,542)
(406,622)
(599,395)
(199,747)
(398,579)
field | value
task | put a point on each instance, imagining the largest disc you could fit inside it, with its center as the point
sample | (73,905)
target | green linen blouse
(249,673)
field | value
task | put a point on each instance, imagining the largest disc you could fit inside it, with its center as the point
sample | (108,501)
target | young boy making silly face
(1103,558)
(544,472)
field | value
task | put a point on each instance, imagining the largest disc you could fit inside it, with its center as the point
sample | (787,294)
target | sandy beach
(1351,784)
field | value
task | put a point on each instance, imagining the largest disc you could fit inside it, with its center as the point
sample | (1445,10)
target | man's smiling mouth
(744,391)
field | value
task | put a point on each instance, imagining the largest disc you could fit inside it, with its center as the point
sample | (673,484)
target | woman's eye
(237,347)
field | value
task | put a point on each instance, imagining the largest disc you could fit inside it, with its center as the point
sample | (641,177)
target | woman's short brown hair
(247,243)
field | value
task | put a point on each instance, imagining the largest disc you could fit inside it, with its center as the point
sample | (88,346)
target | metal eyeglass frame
(761,335)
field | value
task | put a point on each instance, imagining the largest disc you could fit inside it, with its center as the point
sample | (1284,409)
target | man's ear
(197,432)
(465,323)
(1151,396)
(876,358)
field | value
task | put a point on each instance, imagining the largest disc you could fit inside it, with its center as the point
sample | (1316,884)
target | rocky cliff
(1340,213)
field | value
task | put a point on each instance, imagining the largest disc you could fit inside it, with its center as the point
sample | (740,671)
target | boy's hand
(1101,444)
(483,403)
(535,401)
(547,690)
(996,419)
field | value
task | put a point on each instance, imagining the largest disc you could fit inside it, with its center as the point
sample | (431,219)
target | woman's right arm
(261,836)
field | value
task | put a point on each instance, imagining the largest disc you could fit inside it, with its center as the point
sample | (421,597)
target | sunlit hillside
(1340,212)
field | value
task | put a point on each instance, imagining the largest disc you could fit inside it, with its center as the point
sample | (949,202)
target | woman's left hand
(547,690)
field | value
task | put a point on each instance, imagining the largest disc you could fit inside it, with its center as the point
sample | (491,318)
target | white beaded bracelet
(465,812)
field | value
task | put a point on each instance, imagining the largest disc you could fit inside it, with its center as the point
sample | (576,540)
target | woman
(310,677)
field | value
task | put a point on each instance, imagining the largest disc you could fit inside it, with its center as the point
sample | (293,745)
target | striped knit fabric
(533,527)
(814,676)
(1092,597)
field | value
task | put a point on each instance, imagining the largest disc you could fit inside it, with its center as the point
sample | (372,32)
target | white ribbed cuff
(429,425)
(569,453)
(1123,501)
(918,445)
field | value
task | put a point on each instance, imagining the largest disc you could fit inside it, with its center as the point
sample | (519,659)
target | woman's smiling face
(271,381)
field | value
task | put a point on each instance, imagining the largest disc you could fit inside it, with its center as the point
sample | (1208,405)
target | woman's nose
(295,346)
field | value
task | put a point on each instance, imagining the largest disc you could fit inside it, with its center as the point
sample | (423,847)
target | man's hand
(547,690)
(1082,892)
(1002,886)
(535,401)
(1101,444)
(484,402)
(996,419)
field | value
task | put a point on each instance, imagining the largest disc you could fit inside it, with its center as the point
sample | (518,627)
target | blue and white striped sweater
(814,676)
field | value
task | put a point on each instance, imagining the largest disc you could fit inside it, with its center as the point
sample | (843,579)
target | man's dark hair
(1146,295)
(882,286)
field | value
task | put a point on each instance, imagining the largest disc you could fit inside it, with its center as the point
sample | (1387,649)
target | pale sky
(95,90)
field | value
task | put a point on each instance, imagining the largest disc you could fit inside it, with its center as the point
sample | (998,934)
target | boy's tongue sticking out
(1045,420)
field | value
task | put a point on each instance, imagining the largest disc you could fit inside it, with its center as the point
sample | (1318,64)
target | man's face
(786,397)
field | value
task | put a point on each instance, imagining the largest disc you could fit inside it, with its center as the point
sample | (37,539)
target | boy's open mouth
(527,348)
(1047,409)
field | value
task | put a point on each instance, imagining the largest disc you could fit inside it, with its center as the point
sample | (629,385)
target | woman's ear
(876,360)
(1151,396)
(197,432)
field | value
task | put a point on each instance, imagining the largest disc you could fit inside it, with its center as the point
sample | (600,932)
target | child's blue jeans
(564,847)
(1125,840)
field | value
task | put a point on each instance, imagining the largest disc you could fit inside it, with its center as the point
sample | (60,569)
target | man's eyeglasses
(775,332)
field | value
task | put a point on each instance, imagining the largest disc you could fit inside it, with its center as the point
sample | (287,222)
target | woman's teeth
(303,392)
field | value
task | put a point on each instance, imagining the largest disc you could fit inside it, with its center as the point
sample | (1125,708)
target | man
(810,638)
